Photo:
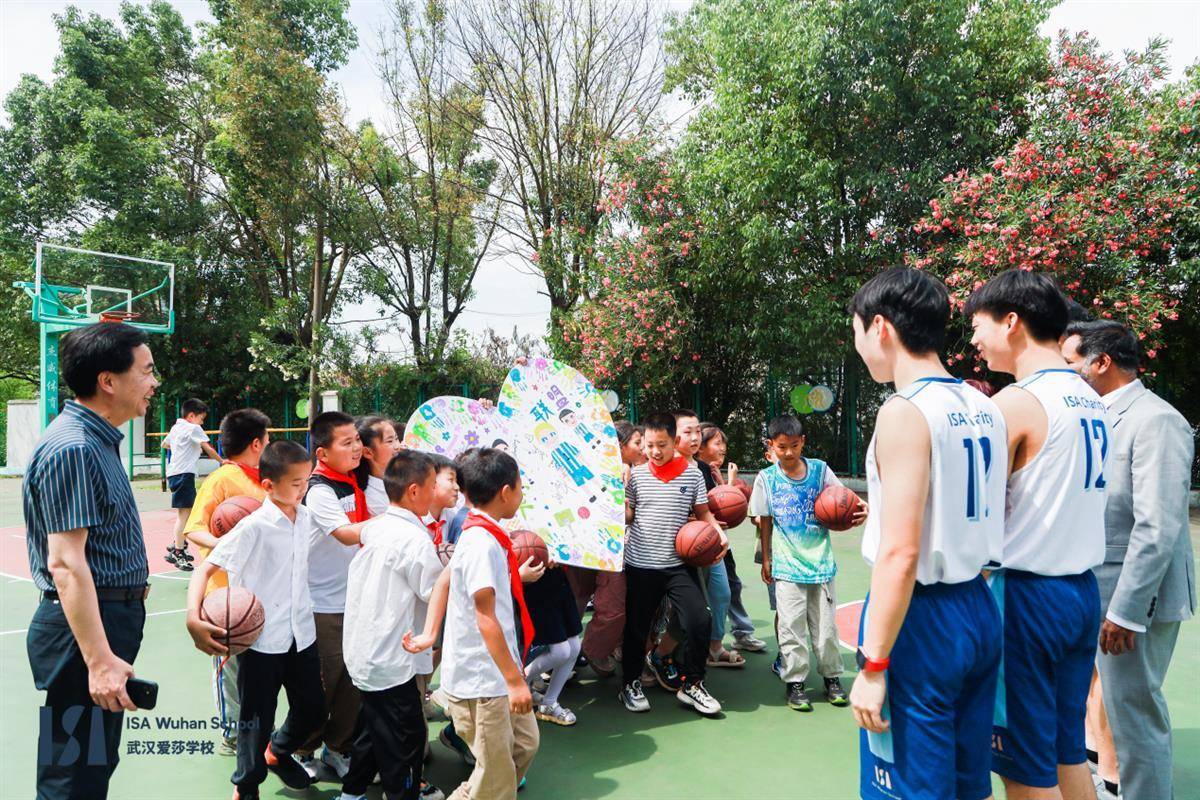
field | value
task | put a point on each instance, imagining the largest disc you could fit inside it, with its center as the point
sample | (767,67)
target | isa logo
(84,722)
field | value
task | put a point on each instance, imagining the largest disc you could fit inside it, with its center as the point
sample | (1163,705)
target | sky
(507,295)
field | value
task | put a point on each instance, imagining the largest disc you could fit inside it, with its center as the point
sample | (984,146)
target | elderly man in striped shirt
(88,559)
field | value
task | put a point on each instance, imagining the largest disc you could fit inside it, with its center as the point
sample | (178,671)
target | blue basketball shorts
(941,690)
(1051,626)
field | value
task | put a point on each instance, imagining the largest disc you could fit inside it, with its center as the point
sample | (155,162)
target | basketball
(230,513)
(835,508)
(744,488)
(698,543)
(528,543)
(236,610)
(445,551)
(728,504)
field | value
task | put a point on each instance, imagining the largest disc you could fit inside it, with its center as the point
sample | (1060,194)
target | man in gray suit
(1147,580)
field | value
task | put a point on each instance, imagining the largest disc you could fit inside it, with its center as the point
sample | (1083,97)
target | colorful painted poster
(450,425)
(563,438)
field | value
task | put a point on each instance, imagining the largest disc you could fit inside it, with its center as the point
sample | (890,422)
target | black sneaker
(835,692)
(665,671)
(288,769)
(797,698)
(183,551)
(179,558)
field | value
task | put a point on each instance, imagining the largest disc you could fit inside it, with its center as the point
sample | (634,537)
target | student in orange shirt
(242,439)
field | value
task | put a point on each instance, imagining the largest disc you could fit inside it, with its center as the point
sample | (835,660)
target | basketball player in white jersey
(930,638)
(1053,536)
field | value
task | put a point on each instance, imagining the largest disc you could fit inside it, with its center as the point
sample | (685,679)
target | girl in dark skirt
(556,635)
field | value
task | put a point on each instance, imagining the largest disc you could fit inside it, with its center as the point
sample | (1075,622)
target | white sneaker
(633,697)
(340,764)
(309,763)
(696,696)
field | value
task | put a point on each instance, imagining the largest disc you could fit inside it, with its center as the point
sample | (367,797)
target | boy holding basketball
(267,554)
(929,642)
(185,441)
(797,557)
(389,584)
(660,496)
(488,633)
(243,438)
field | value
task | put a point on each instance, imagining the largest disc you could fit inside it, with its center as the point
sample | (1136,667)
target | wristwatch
(867,664)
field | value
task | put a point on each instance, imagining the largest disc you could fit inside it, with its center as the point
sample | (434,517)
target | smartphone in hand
(143,693)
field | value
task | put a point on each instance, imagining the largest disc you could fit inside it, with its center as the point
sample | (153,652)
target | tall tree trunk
(314,352)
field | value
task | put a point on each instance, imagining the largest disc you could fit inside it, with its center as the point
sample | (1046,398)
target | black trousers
(389,739)
(78,742)
(644,591)
(259,678)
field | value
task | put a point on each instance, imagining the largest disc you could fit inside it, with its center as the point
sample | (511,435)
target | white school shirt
(468,671)
(185,438)
(328,559)
(962,529)
(1055,516)
(377,499)
(267,553)
(387,595)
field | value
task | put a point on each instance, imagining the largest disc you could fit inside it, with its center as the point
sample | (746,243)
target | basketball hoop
(118,316)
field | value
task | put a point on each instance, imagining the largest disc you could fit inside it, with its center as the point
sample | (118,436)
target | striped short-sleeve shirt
(660,509)
(75,480)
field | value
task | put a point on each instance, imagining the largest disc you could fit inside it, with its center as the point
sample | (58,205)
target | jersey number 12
(1093,433)
(976,495)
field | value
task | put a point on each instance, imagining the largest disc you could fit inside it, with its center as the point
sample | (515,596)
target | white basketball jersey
(1055,515)
(963,527)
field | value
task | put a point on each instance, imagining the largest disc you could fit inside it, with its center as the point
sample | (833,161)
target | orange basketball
(698,543)
(743,487)
(728,504)
(236,610)
(230,513)
(528,543)
(835,508)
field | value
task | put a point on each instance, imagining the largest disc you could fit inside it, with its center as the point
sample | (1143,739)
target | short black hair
(1032,296)
(785,425)
(661,421)
(625,431)
(562,415)
(101,347)
(278,456)
(321,430)
(683,413)
(240,429)
(1111,338)
(1077,312)
(484,472)
(193,406)
(916,303)
(441,462)
(406,468)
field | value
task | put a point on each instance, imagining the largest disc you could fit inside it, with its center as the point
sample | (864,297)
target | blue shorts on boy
(183,490)
(941,693)
(1051,625)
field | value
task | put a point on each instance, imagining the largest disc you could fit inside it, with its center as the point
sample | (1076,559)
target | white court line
(151,614)
(851,647)
(169,576)
(16,577)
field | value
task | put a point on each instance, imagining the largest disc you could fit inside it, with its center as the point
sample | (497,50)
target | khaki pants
(807,610)
(342,700)
(504,745)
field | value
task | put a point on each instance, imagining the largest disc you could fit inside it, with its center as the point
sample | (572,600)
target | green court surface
(758,749)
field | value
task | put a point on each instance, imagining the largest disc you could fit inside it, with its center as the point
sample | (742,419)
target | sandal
(726,658)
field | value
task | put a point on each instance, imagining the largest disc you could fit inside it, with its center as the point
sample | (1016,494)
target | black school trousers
(389,739)
(644,592)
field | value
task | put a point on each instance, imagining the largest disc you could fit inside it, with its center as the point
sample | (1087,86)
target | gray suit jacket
(1148,574)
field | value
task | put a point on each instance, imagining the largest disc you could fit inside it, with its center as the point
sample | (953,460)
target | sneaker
(604,667)
(748,643)
(633,697)
(556,714)
(521,785)
(237,795)
(431,792)
(777,666)
(338,762)
(309,762)
(452,740)
(835,692)
(288,769)
(183,551)
(695,695)
(665,671)
(797,698)
(228,746)
(647,677)
(179,559)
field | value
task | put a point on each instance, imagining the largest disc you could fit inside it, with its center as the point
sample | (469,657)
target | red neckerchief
(361,514)
(670,470)
(251,472)
(514,573)
(435,530)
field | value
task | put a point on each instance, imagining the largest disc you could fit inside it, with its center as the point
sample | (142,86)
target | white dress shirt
(267,553)
(387,595)
(1111,400)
